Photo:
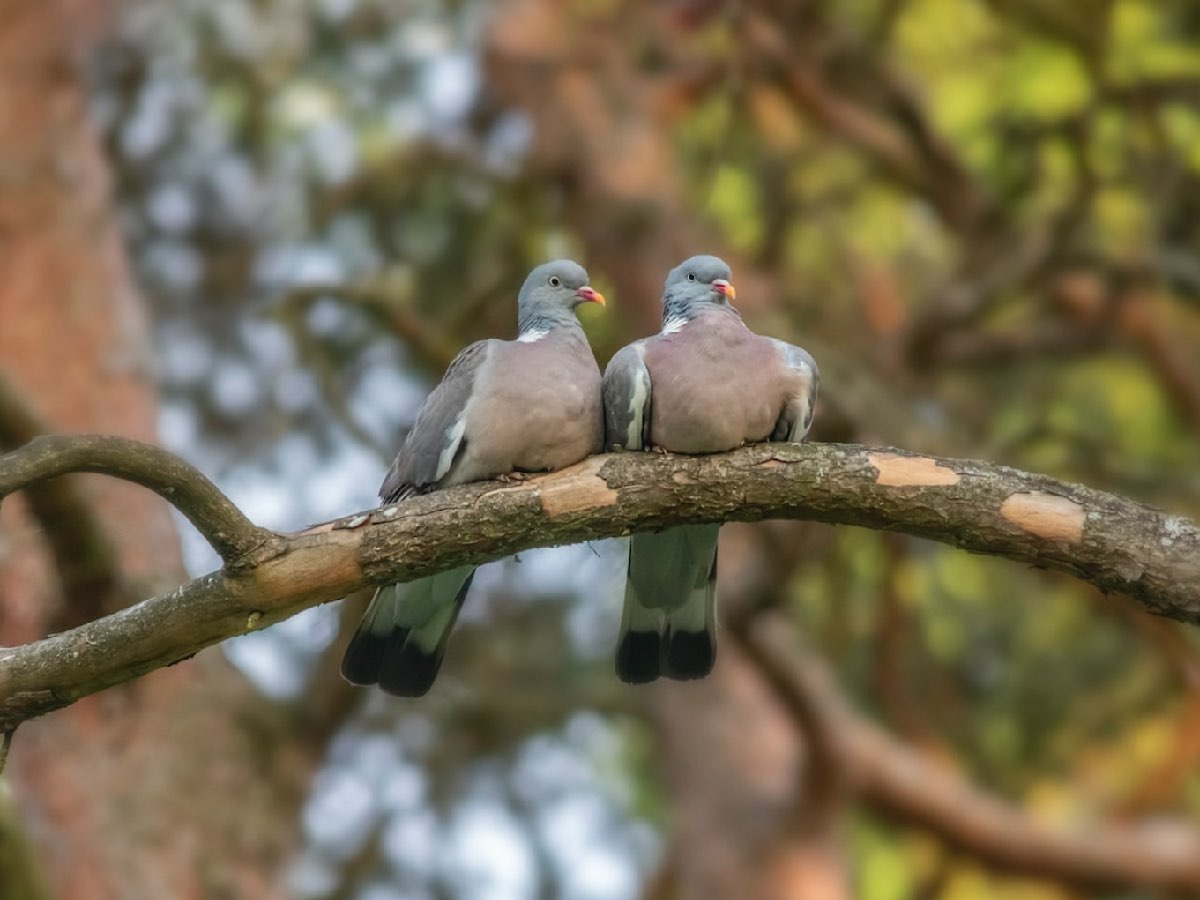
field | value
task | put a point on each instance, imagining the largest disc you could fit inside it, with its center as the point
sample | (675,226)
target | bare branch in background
(896,780)
(390,302)
(1169,359)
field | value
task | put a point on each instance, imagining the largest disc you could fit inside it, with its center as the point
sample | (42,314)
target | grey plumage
(627,399)
(528,405)
(434,444)
(704,384)
(797,416)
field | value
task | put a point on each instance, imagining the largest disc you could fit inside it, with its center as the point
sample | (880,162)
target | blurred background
(257,231)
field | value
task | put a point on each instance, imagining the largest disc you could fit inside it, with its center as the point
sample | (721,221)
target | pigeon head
(696,283)
(550,294)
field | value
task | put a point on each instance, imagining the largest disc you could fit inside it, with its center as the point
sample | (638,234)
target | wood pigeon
(528,405)
(704,384)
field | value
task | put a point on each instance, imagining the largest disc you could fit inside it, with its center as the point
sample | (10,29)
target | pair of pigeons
(704,384)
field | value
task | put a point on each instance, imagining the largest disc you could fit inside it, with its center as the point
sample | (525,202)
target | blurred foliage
(984,220)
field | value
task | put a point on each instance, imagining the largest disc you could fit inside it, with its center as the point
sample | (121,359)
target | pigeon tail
(691,645)
(402,639)
(668,627)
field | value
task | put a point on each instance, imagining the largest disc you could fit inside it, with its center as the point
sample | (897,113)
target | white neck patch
(673,325)
(528,337)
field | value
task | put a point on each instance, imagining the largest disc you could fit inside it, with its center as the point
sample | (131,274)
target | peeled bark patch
(585,489)
(911,471)
(1046,515)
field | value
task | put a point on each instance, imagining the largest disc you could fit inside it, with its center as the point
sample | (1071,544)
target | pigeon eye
(555,281)
(691,276)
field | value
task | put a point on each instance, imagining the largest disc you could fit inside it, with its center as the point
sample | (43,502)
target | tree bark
(127,794)
(1114,543)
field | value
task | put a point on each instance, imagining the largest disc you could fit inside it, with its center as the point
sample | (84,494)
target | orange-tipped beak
(724,288)
(590,295)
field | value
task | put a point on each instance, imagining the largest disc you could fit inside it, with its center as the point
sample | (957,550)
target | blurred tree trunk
(172,787)
(757,806)
(731,759)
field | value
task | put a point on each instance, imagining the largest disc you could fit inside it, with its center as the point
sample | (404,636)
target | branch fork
(1116,544)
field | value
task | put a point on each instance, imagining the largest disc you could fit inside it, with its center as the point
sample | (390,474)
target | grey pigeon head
(550,294)
(694,284)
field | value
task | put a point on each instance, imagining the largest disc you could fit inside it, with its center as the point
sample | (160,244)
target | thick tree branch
(896,780)
(229,532)
(1111,542)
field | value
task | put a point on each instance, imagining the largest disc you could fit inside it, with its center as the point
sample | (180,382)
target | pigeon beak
(725,289)
(590,295)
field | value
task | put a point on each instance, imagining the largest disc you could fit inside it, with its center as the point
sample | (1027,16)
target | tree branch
(84,558)
(1114,543)
(229,532)
(898,781)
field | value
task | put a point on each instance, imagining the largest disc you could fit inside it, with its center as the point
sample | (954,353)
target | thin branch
(903,144)
(1111,542)
(230,533)
(1171,360)
(85,561)
(983,279)
(896,780)
(389,301)
(966,348)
